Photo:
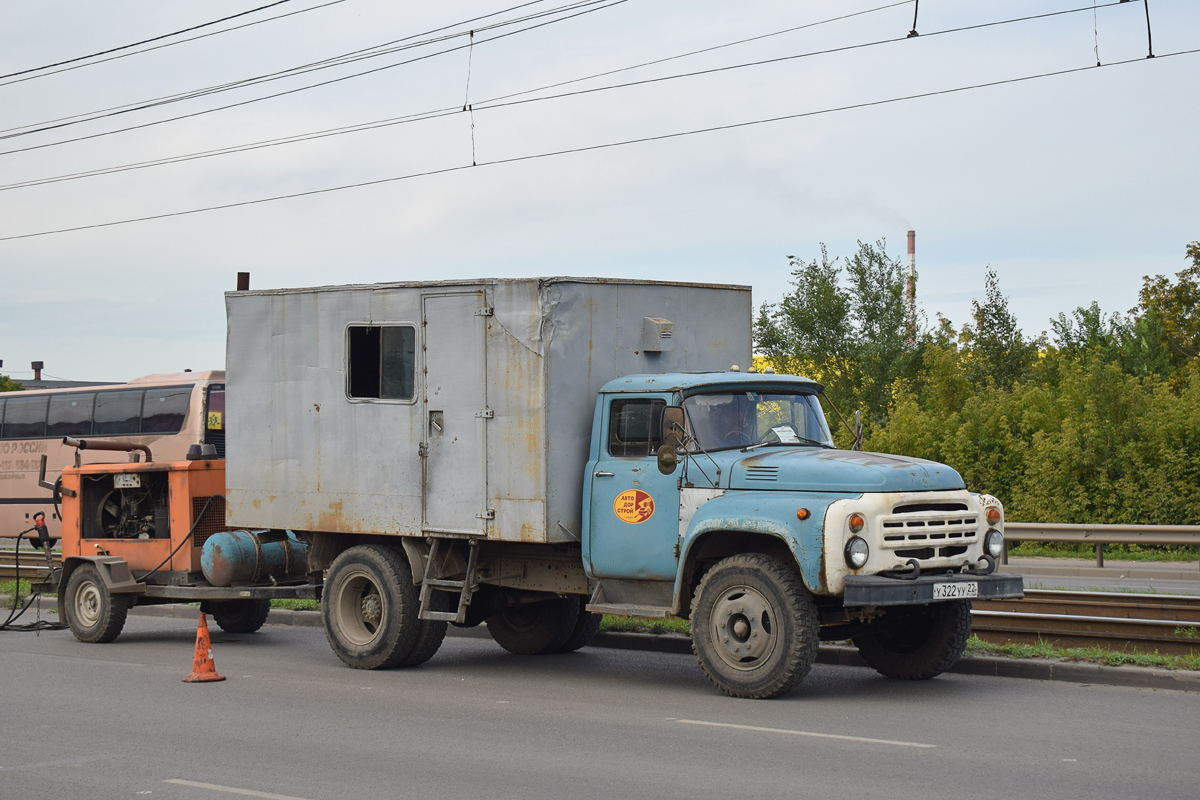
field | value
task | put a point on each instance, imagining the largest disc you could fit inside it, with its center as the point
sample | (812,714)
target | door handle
(603,474)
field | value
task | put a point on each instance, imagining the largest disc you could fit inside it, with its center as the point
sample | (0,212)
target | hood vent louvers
(761,472)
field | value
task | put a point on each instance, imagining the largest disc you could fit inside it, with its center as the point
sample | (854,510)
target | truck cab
(721,497)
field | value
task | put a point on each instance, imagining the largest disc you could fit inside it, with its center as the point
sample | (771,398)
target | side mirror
(668,459)
(672,426)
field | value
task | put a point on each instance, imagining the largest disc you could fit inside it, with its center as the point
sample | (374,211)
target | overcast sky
(1072,187)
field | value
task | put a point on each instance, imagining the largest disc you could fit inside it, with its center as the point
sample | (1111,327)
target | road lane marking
(230,789)
(805,733)
(62,762)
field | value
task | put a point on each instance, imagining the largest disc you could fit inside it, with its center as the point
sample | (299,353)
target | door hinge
(486,311)
(678,548)
(422,450)
(488,514)
(486,413)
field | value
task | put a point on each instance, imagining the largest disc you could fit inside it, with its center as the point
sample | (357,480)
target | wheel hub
(371,610)
(744,628)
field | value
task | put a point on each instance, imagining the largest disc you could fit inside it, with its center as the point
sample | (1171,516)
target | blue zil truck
(531,454)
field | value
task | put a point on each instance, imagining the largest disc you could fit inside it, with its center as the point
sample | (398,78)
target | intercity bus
(167,413)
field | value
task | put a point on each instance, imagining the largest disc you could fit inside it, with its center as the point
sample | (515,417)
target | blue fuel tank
(250,557)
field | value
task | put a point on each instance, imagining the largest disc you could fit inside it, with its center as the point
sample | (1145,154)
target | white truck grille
(929,530)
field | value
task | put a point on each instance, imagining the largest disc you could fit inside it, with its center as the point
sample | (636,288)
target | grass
(292,604)
(1091,655)
(7,587)
(1120,552)
(611,624)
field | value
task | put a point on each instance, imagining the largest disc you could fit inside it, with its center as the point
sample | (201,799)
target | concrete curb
(1027,668)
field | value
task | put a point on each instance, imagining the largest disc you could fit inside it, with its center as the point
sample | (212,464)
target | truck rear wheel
(93,613)
(369,608)
(535,628)
(587,625)
(754,626)
(918,646)
(430,633)
(241,616)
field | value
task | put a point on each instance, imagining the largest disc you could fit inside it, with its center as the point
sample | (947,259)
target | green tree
(7,384)
(1173,309)
(849,334)
(1000,353)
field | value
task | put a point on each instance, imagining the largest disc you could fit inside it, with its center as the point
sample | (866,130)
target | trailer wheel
(754,626)
(587,625)
(241,616)
(369,608)
(920,646)
(535,628)
(93,613)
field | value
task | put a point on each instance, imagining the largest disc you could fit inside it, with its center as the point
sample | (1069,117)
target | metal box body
(493,441)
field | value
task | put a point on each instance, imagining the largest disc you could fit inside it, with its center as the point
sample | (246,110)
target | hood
(819,470)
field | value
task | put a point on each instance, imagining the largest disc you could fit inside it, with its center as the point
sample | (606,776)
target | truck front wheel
(369,607)
(93,613)
(535,628)
(754,626)
(918,646)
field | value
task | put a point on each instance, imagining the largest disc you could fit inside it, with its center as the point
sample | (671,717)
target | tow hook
(988,568)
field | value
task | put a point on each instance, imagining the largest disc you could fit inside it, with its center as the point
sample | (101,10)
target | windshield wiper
(799,440)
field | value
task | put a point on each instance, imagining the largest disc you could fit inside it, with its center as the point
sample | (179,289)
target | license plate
(955,590)
(127,480)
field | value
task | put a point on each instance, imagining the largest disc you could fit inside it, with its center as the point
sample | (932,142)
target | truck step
(629,610)
(465,588)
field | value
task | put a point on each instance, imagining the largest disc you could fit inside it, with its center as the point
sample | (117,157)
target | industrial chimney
(910,291)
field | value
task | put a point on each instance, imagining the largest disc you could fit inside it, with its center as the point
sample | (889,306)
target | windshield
(738,419)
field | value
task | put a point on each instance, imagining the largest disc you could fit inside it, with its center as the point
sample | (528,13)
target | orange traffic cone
(203,668)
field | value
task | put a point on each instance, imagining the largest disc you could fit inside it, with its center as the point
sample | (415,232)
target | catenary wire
(333,61)
(161,46)
(595,147)
(299,89)
(490,104)
(145,41)
(418,116)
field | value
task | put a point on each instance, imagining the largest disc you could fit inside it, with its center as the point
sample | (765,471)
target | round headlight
(993,543)
(856,552)
(856,523)
(993,516)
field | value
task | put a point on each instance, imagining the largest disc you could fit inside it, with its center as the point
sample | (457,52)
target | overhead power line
(164,45)
(144,41)
(375,51)
(304,88)
(423,115)
(595,147)
(506,100)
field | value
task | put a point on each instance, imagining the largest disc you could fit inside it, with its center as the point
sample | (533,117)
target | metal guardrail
(1099,535)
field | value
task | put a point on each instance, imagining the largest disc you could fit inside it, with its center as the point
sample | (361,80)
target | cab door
(633,508)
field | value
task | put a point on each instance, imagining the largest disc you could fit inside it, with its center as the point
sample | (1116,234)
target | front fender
(772,514)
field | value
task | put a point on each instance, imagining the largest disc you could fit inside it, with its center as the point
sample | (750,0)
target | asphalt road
(115,721)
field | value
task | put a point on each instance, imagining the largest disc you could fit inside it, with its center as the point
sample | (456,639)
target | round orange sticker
(633,506)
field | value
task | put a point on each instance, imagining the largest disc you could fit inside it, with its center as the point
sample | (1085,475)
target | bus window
(117,412)
(214,424)
(165,408)
(70,414)
(25,417)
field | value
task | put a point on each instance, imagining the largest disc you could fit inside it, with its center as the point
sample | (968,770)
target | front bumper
(876,590)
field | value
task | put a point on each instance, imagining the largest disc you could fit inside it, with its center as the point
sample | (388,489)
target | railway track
(1144,623)
(33,564)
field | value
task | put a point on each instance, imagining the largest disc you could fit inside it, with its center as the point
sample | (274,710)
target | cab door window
(635,427)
